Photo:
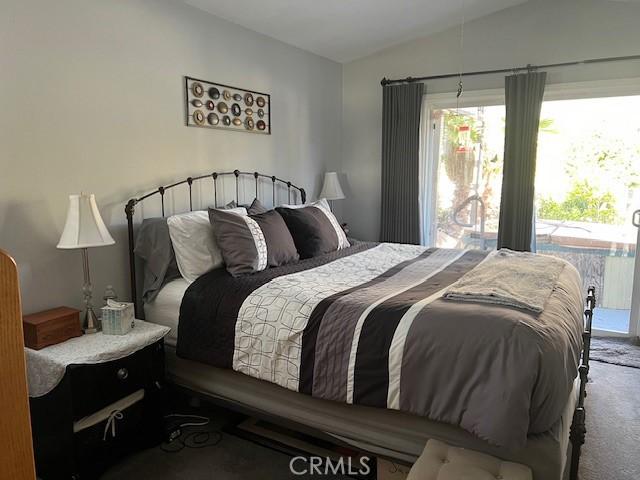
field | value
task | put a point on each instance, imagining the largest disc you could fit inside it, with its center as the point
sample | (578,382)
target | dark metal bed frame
(129,209)
(578,428)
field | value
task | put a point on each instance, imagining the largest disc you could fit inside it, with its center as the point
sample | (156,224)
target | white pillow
(322,202)
(194,243)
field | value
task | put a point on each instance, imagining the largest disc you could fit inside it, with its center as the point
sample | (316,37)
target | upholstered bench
(440,461)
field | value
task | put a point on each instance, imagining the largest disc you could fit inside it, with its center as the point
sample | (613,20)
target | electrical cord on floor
(177,440)
(202,421)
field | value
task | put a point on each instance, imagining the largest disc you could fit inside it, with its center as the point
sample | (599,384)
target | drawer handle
(122,374)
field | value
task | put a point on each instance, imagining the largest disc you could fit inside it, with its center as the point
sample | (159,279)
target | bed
(303,343)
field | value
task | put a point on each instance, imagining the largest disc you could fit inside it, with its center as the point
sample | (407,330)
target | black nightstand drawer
(61,453)
(96,448)
(95,386)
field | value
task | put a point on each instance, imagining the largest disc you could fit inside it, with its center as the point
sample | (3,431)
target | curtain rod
(385,81)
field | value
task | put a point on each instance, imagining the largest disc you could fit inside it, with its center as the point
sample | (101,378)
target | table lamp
(331,188)
(85,229)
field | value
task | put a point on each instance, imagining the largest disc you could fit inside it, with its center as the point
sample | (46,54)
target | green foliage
(453,121)
(546,126)
(583,204)
(459,165)
(607,159)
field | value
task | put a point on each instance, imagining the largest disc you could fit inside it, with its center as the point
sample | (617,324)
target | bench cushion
(440,461)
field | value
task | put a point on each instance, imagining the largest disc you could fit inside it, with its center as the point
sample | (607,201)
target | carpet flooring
(612,448)
(618,351)
(611,451)
(233,458)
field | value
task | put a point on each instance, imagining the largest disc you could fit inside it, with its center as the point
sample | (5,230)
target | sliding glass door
(466,195)
(587,190)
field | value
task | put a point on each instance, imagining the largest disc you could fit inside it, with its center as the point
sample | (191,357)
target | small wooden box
(50,327)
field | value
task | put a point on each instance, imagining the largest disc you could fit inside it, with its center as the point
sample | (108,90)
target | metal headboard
(129,209)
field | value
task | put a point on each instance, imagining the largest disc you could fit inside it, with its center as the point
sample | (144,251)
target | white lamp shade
(331,189)
(84,227)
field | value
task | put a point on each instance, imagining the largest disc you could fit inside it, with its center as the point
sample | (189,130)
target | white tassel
(111,422)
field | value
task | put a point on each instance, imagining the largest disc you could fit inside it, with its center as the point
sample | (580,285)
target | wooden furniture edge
(16,447)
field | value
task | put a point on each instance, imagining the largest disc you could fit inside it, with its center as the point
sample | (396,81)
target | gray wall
(537,32)
(91,99)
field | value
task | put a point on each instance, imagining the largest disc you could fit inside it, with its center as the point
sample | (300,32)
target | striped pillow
(315,230)
(252,243)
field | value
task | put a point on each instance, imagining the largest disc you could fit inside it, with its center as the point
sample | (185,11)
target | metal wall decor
(214,105)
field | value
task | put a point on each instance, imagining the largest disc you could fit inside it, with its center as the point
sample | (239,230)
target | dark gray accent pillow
(230,205)
(281,249)
(252,243)
(313,231)
(256,207)
(153,246)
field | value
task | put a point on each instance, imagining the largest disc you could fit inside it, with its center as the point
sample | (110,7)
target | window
(587,186)
(469,176)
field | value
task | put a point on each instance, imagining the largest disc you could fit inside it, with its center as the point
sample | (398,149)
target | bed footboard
(578,427)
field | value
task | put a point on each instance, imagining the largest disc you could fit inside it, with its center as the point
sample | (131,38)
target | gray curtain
(400,210)
(523,95)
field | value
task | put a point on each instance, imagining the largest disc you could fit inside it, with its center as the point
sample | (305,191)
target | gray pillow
(256,207)
(230,205)
(153,246)
(315,230)
(252,243)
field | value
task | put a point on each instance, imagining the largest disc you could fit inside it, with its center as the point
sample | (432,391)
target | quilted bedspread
(368,325)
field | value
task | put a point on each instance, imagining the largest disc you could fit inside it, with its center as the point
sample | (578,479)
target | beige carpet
(612,449)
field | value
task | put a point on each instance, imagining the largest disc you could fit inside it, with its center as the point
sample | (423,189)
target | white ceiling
(344,30)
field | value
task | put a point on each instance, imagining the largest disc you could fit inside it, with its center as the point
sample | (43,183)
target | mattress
(165,309)
(384,432)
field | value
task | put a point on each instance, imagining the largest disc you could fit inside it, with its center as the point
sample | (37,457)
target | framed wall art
(215,105)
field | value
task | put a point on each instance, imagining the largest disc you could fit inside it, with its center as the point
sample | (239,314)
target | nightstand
(95,399)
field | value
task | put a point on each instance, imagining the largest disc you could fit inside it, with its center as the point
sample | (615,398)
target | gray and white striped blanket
(369,326)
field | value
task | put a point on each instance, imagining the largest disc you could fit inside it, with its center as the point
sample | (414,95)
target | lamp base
(90,323)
